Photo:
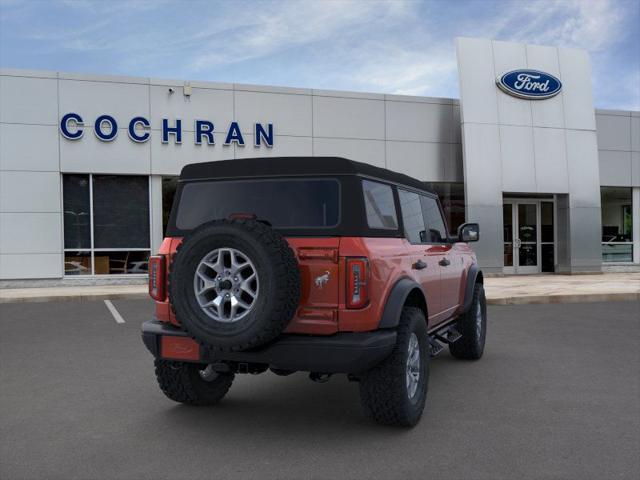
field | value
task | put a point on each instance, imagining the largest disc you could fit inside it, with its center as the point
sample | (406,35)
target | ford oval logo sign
(529,84)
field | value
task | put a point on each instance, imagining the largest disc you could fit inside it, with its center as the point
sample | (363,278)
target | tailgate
(320,285)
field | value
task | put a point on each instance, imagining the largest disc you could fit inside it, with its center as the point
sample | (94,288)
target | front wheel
(191,383)
(394,392)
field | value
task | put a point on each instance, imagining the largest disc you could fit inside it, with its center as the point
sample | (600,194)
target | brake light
(357,282)
(156,277)
(242,216)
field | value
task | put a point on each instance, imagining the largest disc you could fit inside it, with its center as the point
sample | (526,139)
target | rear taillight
(357,282)
(156,277)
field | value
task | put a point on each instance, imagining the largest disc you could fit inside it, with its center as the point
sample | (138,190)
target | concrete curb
(509,300)
(565,298)
(73,298)
(73,294)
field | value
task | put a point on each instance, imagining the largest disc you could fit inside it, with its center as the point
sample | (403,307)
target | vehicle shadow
(296,407)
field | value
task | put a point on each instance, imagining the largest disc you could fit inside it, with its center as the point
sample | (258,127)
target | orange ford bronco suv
(323,265)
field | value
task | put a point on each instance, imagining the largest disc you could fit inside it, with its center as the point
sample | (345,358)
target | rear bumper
(339,353)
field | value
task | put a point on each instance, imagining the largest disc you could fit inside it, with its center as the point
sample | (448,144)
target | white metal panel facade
(509,144)
(506,151)
(416,135)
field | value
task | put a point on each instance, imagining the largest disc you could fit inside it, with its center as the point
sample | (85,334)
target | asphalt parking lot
(557,395)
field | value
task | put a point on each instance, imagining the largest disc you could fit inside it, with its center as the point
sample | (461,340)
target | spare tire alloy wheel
(226,285)
(234,284)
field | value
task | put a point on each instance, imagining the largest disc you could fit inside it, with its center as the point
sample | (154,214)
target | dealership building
(88,164)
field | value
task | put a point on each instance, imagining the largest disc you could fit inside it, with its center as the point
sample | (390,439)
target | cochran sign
(529,84)
(106,127)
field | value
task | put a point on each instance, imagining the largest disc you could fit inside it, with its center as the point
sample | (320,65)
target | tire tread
(468,347)
(383,393)
(177,382)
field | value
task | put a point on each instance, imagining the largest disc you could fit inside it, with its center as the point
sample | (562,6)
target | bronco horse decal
(322,280)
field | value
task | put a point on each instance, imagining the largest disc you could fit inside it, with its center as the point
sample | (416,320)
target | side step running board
(446,336)
(435,347)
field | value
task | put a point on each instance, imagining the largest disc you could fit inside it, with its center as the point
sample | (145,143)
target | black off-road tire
(471,345)
(182,382)
(279,288)
(383,390)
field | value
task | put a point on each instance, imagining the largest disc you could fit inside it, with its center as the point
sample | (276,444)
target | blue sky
(389,47)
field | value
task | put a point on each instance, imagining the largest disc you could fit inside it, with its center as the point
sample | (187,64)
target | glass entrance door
(528,236)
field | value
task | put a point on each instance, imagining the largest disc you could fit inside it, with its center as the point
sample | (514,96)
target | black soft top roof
(293,166)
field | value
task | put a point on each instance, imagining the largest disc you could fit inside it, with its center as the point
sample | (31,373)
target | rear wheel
(473,328)
(191,383)
(394,392)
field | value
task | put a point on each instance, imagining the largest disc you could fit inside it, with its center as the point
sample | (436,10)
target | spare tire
(234,284)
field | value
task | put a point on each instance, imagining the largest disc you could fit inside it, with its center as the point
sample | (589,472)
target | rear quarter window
(380,206)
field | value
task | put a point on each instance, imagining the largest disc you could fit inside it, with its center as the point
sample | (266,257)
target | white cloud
(590,24)
(291,25)
(419,60)
(400,46)
(402,71)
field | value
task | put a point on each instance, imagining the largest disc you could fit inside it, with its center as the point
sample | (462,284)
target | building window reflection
(106,224)
(617,224)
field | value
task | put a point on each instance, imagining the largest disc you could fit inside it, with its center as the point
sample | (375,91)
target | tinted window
(120,211)
(283,203)
(77,215)
(412,216)
(436,233)
(379,204)
(169,186)
(451,197)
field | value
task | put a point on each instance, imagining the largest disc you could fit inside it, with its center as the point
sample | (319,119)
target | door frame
(515,269)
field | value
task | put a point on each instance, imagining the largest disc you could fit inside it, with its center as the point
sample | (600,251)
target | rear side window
(436,232)
(379,205)
(284,203)
(412,216)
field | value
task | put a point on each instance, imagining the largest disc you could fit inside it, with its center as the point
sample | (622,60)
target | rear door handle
(444,262)
(419,265)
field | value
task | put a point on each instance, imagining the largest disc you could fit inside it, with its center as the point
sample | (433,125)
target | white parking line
(116,315)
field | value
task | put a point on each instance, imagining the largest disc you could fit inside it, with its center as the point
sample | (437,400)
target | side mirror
(469,232)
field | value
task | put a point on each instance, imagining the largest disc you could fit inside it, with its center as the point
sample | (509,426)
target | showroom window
(617,224)
(452,198)
(106,224)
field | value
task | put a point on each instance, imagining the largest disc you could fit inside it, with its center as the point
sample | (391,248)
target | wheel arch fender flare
(474,276)
(405,289)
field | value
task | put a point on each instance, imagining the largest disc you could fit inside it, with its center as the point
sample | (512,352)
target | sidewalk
(73,294)
(512,290)
(524,289)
